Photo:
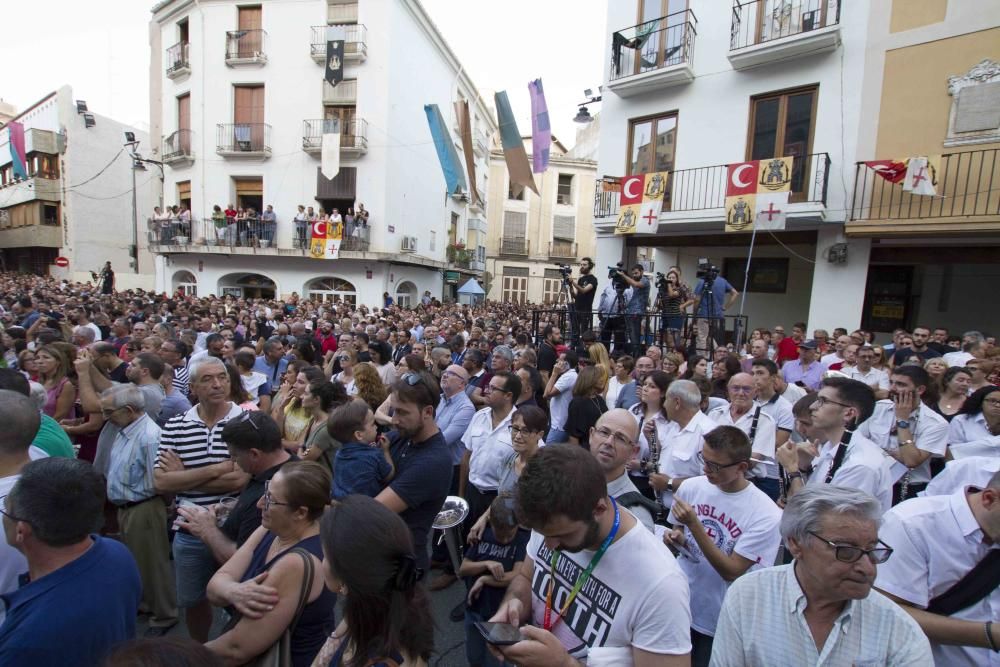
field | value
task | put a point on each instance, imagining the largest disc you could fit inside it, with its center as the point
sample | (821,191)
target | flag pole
(746,282)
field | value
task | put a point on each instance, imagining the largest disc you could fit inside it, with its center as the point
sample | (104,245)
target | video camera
(706,270)
(661,281)
(565,270)
(616,280)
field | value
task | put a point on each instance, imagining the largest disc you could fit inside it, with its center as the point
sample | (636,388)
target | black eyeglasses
(269,499)
(823,400)
(3,511)
(712,467)
(848,553)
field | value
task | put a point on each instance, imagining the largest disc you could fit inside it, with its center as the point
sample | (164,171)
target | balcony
(355,42)
(33,188)
(481,142)
(178,64)
(247,140)
(514,247)
(769,31)
(245,47)
(696,196)
(561,249)
(177,148)
(345,92)
(353,136)
(240,237)
(967,198)
(653,55)
(476,225)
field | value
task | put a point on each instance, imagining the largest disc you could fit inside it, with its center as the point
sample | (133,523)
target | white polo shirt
(936,542)
(930,433)
(875,378)
(865,468)
(559,405)
(763,439)
(968,435)
(960,473)
(489,446)
(679,453)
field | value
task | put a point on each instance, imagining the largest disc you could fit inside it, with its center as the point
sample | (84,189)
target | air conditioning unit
(409,244)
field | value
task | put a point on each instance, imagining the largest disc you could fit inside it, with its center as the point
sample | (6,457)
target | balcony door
(783,124)
(249,21)
(248,117)
(184,123)
(660,34)
(651,146)
(345,115)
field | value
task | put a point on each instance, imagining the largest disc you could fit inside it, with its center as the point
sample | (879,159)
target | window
(563,227)
(663,23)
(782,124)
(514,230)
(651,144)
(453,229)
(346,115)
(248,116)
(249,193)
(50,214)
(552,287)
(342,11)
(564,193)
(406,294)
(332,290)
(433,241)
(515,284)
(184,193)
(511,195)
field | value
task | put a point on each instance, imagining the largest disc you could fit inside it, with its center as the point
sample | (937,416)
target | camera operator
(583,290)
(712,296)
(611,313)
(672,299)
(635,308)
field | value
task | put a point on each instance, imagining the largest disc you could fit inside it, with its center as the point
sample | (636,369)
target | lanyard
(548,623)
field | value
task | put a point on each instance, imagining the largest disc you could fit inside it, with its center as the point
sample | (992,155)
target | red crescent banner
(891,170)
(742,178)
(632,187)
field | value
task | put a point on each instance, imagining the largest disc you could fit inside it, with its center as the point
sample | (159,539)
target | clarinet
(654,462)
(838,457)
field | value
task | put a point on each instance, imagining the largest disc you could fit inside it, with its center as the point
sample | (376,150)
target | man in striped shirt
(173,352)
(194,464)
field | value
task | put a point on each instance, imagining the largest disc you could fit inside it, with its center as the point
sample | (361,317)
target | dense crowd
(629,501)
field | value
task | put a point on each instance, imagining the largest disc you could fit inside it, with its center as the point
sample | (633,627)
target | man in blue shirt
(272,363)
(84,590)
(710,312)
(635,308)
(806,371)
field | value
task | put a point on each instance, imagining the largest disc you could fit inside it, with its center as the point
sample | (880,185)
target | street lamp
(583,114)
(138,164)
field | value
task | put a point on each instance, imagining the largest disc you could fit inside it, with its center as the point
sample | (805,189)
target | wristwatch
(902,423)
(670,485)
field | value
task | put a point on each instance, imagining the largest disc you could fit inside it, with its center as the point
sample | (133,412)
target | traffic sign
(61,262)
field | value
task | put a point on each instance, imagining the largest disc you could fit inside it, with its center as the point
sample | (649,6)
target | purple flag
(541,131)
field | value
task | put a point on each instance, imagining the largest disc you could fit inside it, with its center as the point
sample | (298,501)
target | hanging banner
(541,131)
(742,178)
(770,209)
(921,175)
(19,162)
(775,175)
(326,239)
(330,148)
(755,188)
(465,130)
(740,212)
(641,203)
(893,171)
(454,176)
(513,147)
(334,55)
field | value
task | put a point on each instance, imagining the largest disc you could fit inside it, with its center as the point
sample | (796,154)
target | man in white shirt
(631,607)
(908,431)
(790,392)
(559,391)
(937,542)
(972,348)
(837,356)
(743,413)
(844,457)
(724,527)
(863,371)
(820,609)
(685,437)
(21,421)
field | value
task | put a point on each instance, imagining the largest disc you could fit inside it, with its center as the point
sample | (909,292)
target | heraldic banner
(757,191)
(641,203)
(326,238)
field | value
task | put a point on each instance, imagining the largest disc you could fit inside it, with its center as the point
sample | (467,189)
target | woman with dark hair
(237,392)
(320,398)
(54,370)
(697,366)
(382,361)
(369,560)
(650,414)
(975,429)
(411,363)
(954,392)
(722,371)
(293,418)
(587,404)
(265,578)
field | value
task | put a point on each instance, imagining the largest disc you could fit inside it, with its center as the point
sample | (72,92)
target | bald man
(614,440)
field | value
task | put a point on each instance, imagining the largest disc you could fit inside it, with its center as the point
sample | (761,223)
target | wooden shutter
(250,18)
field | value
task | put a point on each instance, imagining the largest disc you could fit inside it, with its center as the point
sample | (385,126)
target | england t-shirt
(636,596)
(745,522)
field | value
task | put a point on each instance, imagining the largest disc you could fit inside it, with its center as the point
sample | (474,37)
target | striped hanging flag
(454,176)
(465,129)
(513,147)
(17,155)
(541,131)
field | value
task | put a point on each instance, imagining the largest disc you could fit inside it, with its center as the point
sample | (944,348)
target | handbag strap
(977,583)
(307,583)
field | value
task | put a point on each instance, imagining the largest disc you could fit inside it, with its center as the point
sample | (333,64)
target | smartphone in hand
(499,634)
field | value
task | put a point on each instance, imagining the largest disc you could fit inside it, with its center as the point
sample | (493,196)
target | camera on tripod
(706,270)
(661,281)
(616,280)
(565,270)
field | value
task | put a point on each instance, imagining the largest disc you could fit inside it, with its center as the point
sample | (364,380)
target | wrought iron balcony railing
(516,247)
(245,46)
(355,41)
(177,59)
(177,146)
(759,21)
(653,45)
(236,139)
(353,134)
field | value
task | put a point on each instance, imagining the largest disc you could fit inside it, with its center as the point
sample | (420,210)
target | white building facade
(239,105)
(76,203)
(693,86)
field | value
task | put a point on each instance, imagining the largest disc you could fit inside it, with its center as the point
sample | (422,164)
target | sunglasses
(712,467)
(246,416)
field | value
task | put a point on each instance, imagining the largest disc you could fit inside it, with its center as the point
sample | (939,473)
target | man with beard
(638,611)
(547,355)
(582,290)
(421,458)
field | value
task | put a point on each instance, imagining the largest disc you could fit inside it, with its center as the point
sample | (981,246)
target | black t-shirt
(584,413)
(245,516)
(905,353)
(489,548)
(422,481)
(119,373)
(546,357)
(585,302)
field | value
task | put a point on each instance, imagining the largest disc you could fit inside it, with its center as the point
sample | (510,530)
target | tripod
(706,326)
(567,298)
(614,324)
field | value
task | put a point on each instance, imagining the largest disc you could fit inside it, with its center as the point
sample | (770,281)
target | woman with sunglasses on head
(279,565)
(369,560)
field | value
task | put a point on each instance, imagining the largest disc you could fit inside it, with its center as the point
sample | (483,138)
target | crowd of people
(248,227)
(793,500)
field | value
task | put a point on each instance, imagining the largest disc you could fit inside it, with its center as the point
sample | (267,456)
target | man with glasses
(85,589)
(614,441)
(863,371)
(749,417)
(723,528)
(805,371)
(685,437)
(944,569)
(142,513)
(838,456)
(820,609)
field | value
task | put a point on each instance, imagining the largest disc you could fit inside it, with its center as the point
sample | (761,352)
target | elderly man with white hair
(820,609)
